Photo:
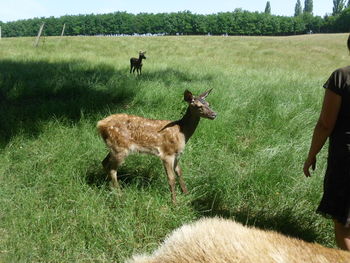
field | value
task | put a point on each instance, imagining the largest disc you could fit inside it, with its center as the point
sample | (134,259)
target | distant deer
(125,134)
(136,63)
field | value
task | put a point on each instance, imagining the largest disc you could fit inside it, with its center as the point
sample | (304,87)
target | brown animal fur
(125,134)
(216,240)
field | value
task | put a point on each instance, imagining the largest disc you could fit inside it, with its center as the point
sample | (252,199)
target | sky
(12,10)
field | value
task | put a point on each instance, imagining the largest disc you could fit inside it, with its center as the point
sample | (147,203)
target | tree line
(237,22)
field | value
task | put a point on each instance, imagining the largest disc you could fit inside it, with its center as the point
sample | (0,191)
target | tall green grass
(55,203)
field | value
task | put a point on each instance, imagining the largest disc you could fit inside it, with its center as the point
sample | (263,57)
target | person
(334,122)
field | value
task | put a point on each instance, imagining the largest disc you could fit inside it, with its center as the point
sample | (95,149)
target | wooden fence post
(39,34)
(64,26)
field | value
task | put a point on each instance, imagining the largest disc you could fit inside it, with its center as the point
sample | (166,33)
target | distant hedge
(238,22)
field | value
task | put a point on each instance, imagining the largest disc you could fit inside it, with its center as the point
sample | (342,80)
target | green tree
(308,6)
(338,6)
(268,8)
(341,22)
(298,10)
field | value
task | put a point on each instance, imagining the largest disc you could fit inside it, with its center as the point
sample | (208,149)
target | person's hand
(309,162)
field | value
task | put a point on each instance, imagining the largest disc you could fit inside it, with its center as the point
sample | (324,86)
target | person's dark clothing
(335,202)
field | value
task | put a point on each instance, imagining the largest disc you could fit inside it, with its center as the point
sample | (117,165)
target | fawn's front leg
(168,163)
(178,172)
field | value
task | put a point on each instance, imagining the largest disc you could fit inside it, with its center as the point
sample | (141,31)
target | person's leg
(342,235)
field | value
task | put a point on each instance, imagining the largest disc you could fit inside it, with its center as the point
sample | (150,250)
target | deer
(136,63)
(125,134)
(218,240)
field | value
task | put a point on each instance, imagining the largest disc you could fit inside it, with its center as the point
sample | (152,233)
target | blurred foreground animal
(136,63)
(216,240)
(125,134)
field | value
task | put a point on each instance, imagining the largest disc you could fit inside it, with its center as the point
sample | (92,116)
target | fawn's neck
(188,124)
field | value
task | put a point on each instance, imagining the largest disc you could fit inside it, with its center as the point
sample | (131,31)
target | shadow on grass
(283,222)
(32,92)
(132,173)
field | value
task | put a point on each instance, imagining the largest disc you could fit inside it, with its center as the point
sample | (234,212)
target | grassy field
(55,201)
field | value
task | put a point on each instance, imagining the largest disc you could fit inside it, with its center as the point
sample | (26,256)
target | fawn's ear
(188,96)
(205,94)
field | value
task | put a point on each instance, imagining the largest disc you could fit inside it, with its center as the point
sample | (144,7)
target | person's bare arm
(323,128)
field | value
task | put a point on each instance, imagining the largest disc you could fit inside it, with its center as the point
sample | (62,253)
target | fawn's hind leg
(111,163)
